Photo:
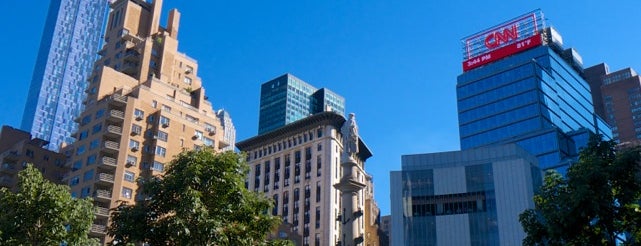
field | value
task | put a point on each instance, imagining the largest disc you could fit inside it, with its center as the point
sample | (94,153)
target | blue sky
(395,62)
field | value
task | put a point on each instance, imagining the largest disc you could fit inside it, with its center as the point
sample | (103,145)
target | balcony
(108,162)
(118,100)
(105,179)
(101,211)
(98,229)
(113,131)
(102,195)
(116,115)
(111,146)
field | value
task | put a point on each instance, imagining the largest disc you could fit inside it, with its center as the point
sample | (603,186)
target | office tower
(17,148)
(617,99)
(145,103)
(519,85)
(286,99)
(67,52)
(298,165)
(468,197)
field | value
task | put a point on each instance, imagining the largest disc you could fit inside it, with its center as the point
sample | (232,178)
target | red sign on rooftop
(510,37)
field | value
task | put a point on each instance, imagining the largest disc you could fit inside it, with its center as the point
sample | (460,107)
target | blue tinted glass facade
(535,99)
(70,40)
(286,99)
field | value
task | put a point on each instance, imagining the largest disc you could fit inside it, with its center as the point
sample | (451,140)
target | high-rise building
(298,165)
(65,59)
(17,148)
(229,134)
(145,103)
(468,197)
(520,86)
(286,99)
(617,99)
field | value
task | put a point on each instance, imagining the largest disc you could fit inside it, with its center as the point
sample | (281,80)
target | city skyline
(395,64)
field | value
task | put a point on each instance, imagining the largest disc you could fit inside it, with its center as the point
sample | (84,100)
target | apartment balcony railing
(101,211)
(98,229)
(116,115)
(108,162)
(111,146)
(104,195)
(105,178)
(114,131)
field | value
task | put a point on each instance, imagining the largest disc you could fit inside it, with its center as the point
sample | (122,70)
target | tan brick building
(17,148)
(145,103)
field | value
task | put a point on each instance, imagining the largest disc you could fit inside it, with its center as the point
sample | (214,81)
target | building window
(96,128)
(85,120)
(130,176)
(76,166)
(136,129)
(187,80)
(157,166)
(91,160)
(79,151)
(87,176)
(317,220)
(100,113)
(134,145)
(162,136)
(198,135)
(208,141)
(319,164)
(94,144)
(126,192)
(164,121)
(166,108)
(75,180)
(154,104)
(161,151)
(131,160)
(83,135)
(139,114)
(318,191)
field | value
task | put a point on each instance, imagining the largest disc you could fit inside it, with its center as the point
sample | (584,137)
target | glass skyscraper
(71,38)
(537,99)
(286,99)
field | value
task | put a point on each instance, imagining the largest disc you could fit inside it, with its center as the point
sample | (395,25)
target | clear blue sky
(395,62)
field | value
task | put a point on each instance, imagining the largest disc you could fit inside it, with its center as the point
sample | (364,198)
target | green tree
(596,204)
(200,200)
(43,213)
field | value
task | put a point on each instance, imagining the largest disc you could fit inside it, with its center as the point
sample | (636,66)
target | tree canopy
(596,204)
(200,200)
(43,213)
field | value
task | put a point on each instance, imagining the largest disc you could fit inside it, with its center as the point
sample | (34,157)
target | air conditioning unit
(135,148)
(130,163)
(211,130)
(134,133)
(139,117)
(165,124)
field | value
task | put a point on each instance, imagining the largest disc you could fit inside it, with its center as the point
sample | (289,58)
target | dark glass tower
(535,97)
(286,99)
(67,52)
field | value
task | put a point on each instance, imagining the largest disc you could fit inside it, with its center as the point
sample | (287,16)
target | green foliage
(597,204)
(43,213)
(200,200)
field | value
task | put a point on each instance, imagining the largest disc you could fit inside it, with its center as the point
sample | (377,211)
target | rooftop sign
(510,37)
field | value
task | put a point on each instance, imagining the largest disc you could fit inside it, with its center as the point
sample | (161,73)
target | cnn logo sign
(499,37)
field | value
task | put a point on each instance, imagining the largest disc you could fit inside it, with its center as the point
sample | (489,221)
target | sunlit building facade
(617,99)
(71,38)
(145,104)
